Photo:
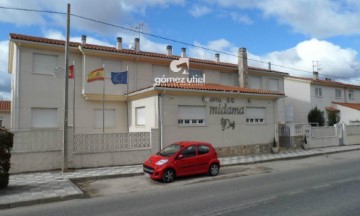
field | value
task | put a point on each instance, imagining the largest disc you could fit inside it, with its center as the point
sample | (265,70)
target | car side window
(203,149)
(189,152)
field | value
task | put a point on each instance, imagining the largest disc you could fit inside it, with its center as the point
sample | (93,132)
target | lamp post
(65,132)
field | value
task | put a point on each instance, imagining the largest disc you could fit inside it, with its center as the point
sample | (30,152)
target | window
(195,73)
(110,118)
(273,84)
(189,152)
(254,82)
(44,64)
(203,149)
(318,92)
(228,79)
(351,95)
(44,118)
(338,93)
(191,115)
(255,115)
(140,116)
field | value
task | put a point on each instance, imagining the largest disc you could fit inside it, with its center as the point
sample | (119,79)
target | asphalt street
(323,185)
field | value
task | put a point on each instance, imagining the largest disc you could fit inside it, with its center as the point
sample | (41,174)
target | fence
(42,149)
(351,134)
(317,137)
(291,135)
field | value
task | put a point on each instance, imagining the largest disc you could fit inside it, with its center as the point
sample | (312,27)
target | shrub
(6,144)
(333,118)
(316,116)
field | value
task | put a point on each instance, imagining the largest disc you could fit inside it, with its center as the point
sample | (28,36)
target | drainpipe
(17,89)
(276,148)
(160,105)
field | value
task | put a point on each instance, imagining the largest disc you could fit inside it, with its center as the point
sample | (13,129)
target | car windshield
(170,150)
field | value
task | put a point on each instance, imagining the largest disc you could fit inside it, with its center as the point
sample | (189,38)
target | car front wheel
(168,176)
(214,169)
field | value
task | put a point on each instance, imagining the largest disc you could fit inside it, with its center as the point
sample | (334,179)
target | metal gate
(284,136)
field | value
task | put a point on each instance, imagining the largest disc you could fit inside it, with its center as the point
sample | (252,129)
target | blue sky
(291,33)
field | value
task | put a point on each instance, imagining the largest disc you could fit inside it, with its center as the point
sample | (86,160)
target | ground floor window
(109,120)
(44,118)
(255,115)
(140,116)
(191,115)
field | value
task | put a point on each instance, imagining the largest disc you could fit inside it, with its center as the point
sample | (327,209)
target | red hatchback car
(182,159)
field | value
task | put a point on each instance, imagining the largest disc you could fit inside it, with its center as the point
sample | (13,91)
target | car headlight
(161,162)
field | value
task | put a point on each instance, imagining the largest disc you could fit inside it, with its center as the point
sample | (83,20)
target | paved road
(326,185)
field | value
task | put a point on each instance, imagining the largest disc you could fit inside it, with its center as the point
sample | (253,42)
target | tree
(6,144)
(316,116)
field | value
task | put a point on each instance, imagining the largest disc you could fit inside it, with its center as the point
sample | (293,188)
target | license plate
(147,175)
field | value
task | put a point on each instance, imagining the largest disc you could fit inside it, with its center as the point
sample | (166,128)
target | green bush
(333,118)
(6,144)
(316,116)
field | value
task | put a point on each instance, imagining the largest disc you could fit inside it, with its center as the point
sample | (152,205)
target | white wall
(151,120)
(5,118)
(348,116)
(298,96)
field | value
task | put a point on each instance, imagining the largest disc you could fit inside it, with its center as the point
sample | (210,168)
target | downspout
(17,89)
(161,127)
(275,148)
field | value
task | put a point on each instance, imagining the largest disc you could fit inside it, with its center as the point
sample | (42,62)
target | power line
(165,38)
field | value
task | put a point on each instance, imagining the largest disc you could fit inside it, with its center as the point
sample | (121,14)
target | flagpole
(103,101)
(73,63)
(127,101)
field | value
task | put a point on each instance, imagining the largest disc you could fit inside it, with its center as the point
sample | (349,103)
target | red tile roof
(326,82)
(5,105)
(350,105)
(130,52)
(216,87)
(331,109)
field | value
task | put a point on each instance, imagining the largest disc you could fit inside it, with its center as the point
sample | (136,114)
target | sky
(290,34)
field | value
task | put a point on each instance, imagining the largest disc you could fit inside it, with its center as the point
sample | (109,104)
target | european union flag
(119,77)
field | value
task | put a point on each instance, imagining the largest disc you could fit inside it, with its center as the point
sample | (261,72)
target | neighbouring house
(5,114)
(234,106)
(303,94)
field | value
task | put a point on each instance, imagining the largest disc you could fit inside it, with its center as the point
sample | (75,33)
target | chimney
(169,50)
(242,67)
(137,44)
(183,52)
(118,43)
(315,75)
(83,39)
(217,57)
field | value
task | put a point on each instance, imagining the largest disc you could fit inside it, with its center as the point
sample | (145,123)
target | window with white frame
(351,94)
(254,82)
(338,93)
(44,64)
(318,92)
(273,84)
(195,73)
(255,115)
(140,116)
(109,120)
(44,118)
(191,115)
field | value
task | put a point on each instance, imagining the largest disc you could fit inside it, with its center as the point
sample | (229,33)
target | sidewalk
(43,187)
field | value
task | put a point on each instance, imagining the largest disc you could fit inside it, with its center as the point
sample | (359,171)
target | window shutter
(44,118)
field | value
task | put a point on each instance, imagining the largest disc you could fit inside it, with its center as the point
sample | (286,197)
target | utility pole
(65,132)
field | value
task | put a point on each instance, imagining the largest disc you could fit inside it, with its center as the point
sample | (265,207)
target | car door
(203,157)
(186,162)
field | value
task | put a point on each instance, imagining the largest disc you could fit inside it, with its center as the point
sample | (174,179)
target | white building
(5,114)
(303,94)
(236,107)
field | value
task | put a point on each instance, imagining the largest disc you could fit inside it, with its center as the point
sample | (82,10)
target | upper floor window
(195,73)
(351,95)
(254,82)
(273,84)
(318,92)
(227,79)
(338,93)
(44,64)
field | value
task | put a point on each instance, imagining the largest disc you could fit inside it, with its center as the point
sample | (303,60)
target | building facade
(303,94)
(5,114)
(229,105)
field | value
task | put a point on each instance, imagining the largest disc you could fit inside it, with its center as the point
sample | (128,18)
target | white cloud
(199,10)
(241,18)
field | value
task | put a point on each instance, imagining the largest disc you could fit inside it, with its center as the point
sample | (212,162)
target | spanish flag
(97,74)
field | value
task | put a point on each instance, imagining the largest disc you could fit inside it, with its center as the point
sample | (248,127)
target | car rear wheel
(168,176)
(214,169)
